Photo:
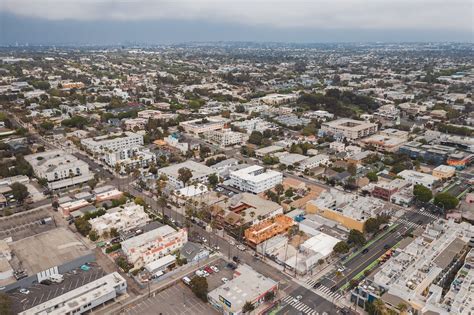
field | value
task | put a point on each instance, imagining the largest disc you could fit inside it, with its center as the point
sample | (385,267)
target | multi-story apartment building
(135,157)
(226,137)
(199,171)
(59,168)
(112,142)
(313,162)
(267,229)
(349,128)
(198,126)
(150,246)
(255,124)
(155,114)
(84,298)
(255,179)
(126,218)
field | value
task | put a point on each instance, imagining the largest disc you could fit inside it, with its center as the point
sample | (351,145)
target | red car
(209,270)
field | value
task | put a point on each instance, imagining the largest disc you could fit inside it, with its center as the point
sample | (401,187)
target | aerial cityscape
(234,176)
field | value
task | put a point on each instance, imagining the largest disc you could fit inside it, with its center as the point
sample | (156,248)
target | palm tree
(379,306)
(403,308)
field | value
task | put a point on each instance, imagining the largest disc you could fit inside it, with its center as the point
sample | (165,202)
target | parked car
(236,259)
(24,291)
(225,280)
(186,280)
(241,247)
(215,269)
(209,270)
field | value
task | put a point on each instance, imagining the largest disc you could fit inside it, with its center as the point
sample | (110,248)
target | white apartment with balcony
(124,218)
(59,168)
(150,246)
(226,137)
(255,179)
(113,142)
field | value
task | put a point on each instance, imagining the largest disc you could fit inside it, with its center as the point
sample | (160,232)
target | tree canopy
(446,201)
(422,193)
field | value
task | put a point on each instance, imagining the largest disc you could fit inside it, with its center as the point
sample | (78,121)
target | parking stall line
(49,294)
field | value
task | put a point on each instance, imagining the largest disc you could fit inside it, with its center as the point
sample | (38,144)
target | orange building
(266,229)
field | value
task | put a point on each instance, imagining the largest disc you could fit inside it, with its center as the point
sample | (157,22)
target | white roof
(193,190)
(321,243)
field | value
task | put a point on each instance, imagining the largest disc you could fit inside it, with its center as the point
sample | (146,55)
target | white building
(349,128)
(255,124)
(59,168)
(226,137)
(255,179)
(198,126)
(337,146)
(113,142)
(123,219)
(313,162)
(150,246)
(279,99)
(418,178)
(155,114)
(199,171)
(84,298)
(131,158)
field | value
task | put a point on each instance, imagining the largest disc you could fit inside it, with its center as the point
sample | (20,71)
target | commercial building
(460,160)
(418,270)
(246,286)
(112,142)
(290,159)
(351,211)
(268,150)
(155,114)
(199,171)
(349,128)
(444,171)
(59,168)
(37,257)
(83,299)
(255,179)
(134,124)
(226,137)
(198,126)
(267,229)
(126,218)
(418,178)
(152,245)
(245,208)
(385,190)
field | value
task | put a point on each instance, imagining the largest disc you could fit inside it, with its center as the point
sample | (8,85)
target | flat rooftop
(52,248)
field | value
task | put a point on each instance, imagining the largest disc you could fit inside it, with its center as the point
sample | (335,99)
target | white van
(56,278)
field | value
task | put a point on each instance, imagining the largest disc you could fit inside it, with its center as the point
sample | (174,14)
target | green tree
(200,287)
(352,169)
(213,179)
(446,201)
(184,175)
(114,233)
(279,189)
(19,191)
(269,296)
(139,201)
(256,138)
(93,235)
(356,237)
(82,226)
(422,193)
(92,183)
(248,307)
(372,176)
(341,248)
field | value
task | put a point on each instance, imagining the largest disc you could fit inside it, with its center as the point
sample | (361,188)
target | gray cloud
(449,15)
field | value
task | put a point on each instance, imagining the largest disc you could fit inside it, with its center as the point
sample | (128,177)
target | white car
(225,280)
(215,269)
(205,273)
(241,247)
(341,269)
(231,242)
(24,291)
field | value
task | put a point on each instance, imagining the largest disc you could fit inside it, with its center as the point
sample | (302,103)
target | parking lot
(214,280)
(176,300)
(24,224)
(40,293)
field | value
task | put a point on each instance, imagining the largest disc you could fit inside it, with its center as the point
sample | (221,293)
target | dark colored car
(365,251)
(236,259)
(386,246)
(46,282)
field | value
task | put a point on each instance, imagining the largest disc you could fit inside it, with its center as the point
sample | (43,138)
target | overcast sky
(359,20)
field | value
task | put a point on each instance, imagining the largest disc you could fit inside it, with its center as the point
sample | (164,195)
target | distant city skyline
(155,22)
